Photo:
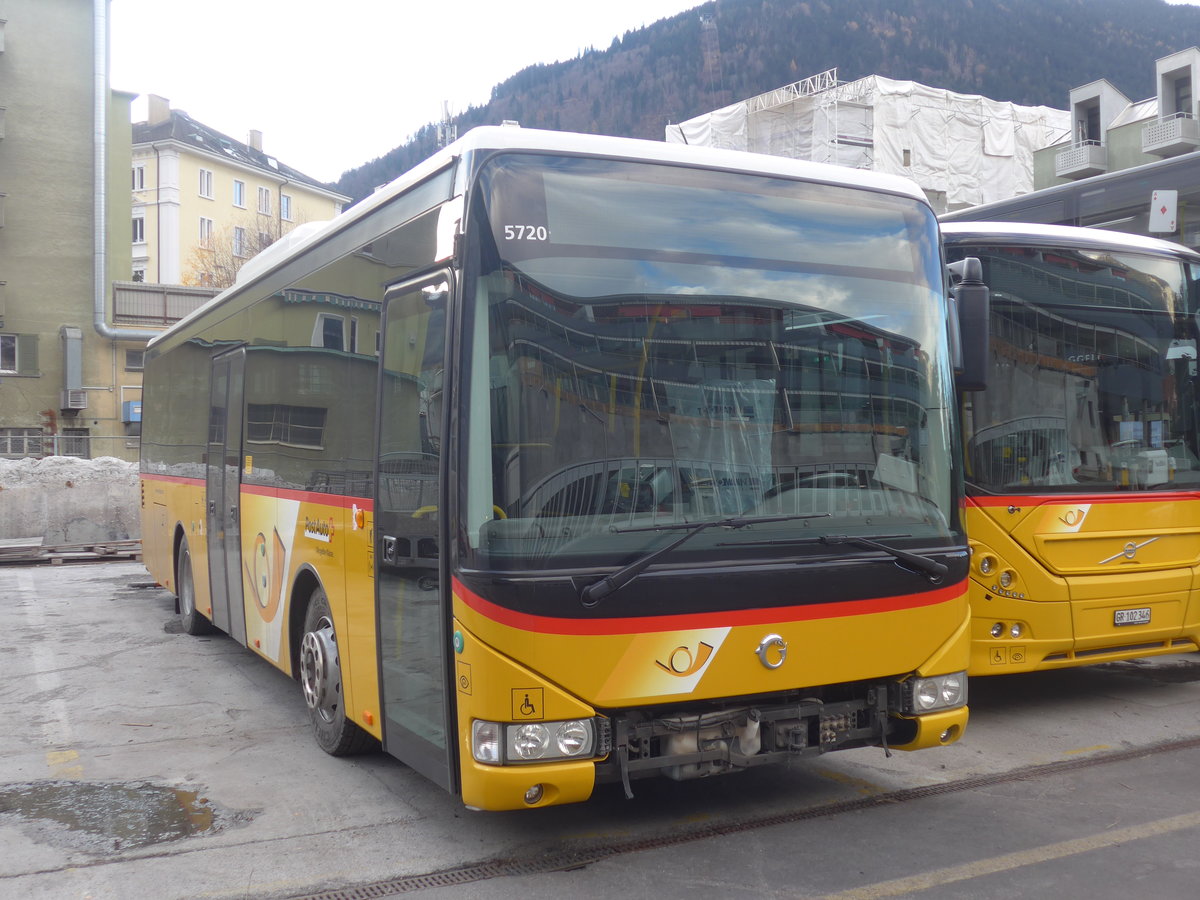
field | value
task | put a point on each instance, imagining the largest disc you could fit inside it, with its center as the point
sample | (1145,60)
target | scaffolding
(962,149)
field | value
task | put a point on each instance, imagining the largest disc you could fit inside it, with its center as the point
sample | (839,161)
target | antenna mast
(447,131)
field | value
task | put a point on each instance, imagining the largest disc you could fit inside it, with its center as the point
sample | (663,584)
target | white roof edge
(1105,238)
(495,137)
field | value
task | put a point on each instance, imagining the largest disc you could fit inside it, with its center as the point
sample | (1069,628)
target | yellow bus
(1083,452)
(569,460)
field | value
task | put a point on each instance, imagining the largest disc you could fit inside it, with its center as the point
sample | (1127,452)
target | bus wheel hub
(319,670)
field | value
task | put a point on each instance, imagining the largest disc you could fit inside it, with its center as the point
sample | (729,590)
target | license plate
(1140,616)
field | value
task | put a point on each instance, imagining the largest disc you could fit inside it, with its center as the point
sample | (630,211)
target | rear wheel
(321,678)
(191,618)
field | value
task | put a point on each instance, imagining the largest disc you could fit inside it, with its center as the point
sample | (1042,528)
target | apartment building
(204,203)
(70,380)
(1127,165)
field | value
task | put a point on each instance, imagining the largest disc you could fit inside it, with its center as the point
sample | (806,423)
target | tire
(321,679)
(193,620)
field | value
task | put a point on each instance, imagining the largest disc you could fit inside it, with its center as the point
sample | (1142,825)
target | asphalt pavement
(138,761)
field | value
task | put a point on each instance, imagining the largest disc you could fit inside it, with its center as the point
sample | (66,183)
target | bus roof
(1065,235)
(509,137)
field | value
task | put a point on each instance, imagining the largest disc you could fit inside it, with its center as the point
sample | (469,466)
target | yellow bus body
(660,661)
(284,534)
(1080,566)
(620,667)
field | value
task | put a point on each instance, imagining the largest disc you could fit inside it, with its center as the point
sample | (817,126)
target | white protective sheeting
(962,149)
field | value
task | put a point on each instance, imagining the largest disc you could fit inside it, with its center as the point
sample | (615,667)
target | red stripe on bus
(172,479)
(338,500)
(1039,499)
(260,490)
(763,616)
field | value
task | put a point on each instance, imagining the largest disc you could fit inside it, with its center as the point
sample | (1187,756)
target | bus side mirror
(970,300)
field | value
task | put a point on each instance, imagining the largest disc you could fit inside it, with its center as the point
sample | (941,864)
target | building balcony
(1172,136)
(155,305)
(1082,160)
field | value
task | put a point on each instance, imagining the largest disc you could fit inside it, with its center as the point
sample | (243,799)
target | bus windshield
(656,345)
(1092,383)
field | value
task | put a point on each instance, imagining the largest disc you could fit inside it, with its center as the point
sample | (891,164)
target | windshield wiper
(598,590)
(931,567)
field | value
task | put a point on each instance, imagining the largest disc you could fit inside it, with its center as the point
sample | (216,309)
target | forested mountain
(1030,52)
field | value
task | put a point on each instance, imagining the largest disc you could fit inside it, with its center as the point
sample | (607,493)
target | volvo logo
(1129,551)
(772,651)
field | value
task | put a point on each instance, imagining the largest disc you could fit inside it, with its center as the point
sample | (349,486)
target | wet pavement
(137,761)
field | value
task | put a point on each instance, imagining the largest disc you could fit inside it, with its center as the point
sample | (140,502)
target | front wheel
(321,678)
(192,619)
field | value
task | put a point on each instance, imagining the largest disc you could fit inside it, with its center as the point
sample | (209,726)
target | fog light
(997,629)
(987,564)
(1016,629)
(534,794)
(1006,579)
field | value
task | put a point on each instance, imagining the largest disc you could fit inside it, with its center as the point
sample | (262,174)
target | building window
(264,200)
(1183,95)
(239,241)
(329,332)
(19,442)
(8,354)
(74,442)
(206,183)
(139,274)
(139,178)
(206,232)
(264,240)
(135,360)
(239,194)
(285,207)
(139,230)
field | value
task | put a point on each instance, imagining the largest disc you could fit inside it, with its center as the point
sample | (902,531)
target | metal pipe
(100,97)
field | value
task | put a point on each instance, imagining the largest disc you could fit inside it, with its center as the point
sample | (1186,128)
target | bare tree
(216,263)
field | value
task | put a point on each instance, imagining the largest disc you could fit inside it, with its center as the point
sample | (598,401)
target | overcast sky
(332,85)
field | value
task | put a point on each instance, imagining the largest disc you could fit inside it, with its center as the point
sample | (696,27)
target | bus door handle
(233,513)
(389,549)
(212,508)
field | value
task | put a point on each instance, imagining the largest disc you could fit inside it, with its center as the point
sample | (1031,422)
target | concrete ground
(137,761)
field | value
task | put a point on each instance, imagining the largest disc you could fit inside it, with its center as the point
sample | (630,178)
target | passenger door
(223,482)
(412,598)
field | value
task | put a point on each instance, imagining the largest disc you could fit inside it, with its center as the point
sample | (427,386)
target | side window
(8,354)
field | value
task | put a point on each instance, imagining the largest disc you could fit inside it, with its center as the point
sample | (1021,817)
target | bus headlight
(485,742)
(939,692)
(532,741)
(529,741)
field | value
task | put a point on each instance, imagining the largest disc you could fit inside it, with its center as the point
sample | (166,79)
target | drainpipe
(99,163)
